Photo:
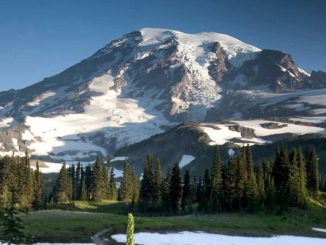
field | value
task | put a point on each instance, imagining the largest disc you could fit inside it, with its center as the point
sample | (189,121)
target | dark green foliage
(217,182)
(129,190)
(312,172)
(251,191)
(63,187)
(175,189)
(281,174)
(38,188)
(270,191)
(260,184)
(99,181)
(12,228)
(206,195)
(112,192)
(294,185)
(147,185)
(156,205)
(166,199)
(16,172)
(186,193)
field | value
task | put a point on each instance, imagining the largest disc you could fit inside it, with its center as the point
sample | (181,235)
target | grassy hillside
(81,220)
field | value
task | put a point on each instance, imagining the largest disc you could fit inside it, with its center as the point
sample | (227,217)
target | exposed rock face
(317,79)
(276,70)
(220,66)
(148,81)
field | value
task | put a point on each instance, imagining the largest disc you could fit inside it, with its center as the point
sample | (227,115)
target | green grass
(86,219)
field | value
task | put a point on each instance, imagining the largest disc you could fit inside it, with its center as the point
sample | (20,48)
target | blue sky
(41,38)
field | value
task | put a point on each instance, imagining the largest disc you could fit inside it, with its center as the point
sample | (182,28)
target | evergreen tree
(294,186)
(38,188)
(5,166)
(206,193)
(63,188)
(147,186)
(12,227)
(88,182)
(241,182)
(199,190)
(72,174)
(126,188)
(270,190)
(175,189)
(312,172)
(251,191)
(281,173)
(186,193)
(217,182)
(83,191)
(303,178)
(230,185)
(157,187)
(98,181)
(24,182)
(112,186)
(77,181)
(165,193)
(260,184)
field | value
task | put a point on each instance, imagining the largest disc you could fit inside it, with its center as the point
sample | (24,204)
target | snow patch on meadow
(200,238)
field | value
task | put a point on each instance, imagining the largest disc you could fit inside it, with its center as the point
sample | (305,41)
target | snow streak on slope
(6,122)
(224,133)
(41,97)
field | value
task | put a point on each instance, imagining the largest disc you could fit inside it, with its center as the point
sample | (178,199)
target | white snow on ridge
(195,52)
(232,46)
(185,160)
(199,238)
(304,72)
(119,159)
(6,122)
(41,97)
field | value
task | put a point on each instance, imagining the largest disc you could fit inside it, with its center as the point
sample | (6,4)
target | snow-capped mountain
(148,81)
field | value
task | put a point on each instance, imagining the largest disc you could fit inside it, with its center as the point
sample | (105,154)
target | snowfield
(107,113)
(200,238)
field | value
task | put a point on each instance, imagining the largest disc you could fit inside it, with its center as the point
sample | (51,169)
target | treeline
(16,173)
(288,181)
(91,183)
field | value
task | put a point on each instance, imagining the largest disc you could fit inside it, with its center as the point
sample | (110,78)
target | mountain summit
(148,81)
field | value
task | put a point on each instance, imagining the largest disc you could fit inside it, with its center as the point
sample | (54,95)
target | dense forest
(289,180)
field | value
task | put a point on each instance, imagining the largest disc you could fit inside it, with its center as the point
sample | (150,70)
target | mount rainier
(150,81)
